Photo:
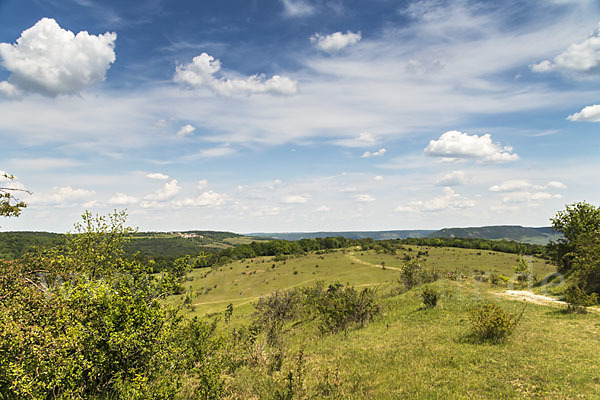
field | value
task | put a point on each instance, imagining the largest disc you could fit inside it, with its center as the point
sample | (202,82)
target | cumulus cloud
(167,192)
(528,197)
(556,185)
(200,73)
(364,198)
(206,199)
(297,8)
(121,199)
(510,186)
(377,153)
(296,199)
(336,41)
(519,185)
(63,196)
(158,176)
(454,178)
(185,130)
(588,114)
(323,209)
(51,61)
(448,200)
(202,183)
(581,57)
(454,145)
(378,178)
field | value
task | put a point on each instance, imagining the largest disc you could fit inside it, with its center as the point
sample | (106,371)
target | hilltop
(516,233)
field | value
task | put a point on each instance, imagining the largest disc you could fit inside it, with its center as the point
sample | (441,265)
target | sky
(299,115)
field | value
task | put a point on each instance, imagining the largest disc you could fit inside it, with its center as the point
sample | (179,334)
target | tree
(10,206)
(82,321)
(578,254)
(575,222)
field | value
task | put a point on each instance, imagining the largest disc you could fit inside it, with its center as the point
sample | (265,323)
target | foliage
(430,296)
(576,221)
(81,322)
(490,322)
(338,307)
(523,270)
(10,206)
(413,274)
(578,299)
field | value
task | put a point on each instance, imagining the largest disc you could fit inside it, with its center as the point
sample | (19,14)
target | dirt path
(525,295)
(357,260)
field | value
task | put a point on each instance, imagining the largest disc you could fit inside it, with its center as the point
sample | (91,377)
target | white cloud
(209,153)
(158,176)
(511,186)
(323,209)
(49,60)
(266,211)
(579,57)
(449,200)
(296,199)
(364,139)
(377,153)
(121,199)
(522,187)
(556,185)
(200,74)
(454,145)
(206,199)
(454,178)
(378,178)
(185,130)
(336,41)
(364,198)
(167,192)
(161,123)
(9,90)
(588,114)
(202,183)
(63,196)
(297,8)
(528,197)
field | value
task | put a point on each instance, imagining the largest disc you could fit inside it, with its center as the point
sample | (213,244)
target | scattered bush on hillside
(413,274)
(489,322)
(578,299)
(339,307)
(430,297)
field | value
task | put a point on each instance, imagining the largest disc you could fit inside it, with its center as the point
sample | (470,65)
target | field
(242,282)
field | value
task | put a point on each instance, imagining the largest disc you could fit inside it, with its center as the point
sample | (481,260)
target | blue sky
(296,115)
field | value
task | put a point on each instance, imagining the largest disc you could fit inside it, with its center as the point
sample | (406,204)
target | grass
(408,351)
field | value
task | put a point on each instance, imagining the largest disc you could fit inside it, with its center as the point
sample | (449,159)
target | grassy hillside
(408,351)
(150,244)
(242,282)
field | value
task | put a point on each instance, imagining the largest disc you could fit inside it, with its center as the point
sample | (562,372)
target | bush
(578,299)
(430,297)
(338,307)
(491,323)
(413,274)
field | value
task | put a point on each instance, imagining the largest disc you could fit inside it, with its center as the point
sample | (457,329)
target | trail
(530,297)
(357,260)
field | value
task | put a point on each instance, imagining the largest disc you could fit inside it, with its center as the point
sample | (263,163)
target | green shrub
(491,323)
(413,274)
(578,299)
(430,297)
